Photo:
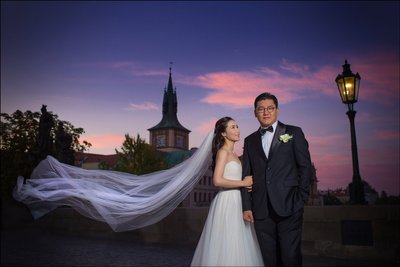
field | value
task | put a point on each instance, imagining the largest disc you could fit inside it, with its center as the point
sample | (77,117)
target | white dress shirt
(266,139)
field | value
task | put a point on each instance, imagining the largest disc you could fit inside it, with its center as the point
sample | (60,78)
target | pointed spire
(170,108)
(170,87)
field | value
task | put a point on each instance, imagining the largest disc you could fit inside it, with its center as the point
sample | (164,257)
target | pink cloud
(332,158)
(134,68)
(122,64)
(206,126)
(380,179)
(387,135)
(332,177)
(294,68)
(380,168)
(143,106)
(379,77)
(237,89)
(325,152)
(335,169)
(379,74)
(326,140)
(383,156)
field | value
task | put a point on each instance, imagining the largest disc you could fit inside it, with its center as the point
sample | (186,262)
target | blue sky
(104,65)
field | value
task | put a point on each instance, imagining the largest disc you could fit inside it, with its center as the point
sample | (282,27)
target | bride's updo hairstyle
(219,141)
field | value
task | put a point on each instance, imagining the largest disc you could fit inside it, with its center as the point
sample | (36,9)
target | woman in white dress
(127,202)
(227,240)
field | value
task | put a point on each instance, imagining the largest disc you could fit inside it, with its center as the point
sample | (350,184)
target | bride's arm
(219,180)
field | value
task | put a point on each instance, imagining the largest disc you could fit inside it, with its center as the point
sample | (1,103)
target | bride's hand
(248,216)
(248,182)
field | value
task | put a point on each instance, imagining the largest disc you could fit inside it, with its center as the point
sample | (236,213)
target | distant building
(170,137)
(94,161)
(203,193)
(342,195)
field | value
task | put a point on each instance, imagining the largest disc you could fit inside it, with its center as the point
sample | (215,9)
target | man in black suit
(277,156)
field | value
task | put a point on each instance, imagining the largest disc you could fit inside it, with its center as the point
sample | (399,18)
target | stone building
(169,135)
(171,138)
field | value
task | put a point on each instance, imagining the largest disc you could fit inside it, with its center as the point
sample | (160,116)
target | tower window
(179,141)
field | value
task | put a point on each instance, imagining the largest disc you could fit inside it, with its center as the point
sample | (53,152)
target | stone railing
(348,232)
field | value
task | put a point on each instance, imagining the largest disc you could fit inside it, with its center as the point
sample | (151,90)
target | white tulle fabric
(124,201)
(226,239)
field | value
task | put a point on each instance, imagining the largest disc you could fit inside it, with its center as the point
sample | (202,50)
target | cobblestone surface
(37,247)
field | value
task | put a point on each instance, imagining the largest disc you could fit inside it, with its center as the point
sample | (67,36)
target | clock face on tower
(160,140)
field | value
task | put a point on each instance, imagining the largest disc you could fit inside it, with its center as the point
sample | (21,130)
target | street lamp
(348,84)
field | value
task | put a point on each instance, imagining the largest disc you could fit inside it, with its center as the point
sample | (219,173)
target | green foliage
(104,166)
(19,145)
(19,132)
(76,133)
(138,158)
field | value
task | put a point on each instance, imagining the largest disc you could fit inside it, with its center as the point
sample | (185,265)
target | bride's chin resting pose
(226,239)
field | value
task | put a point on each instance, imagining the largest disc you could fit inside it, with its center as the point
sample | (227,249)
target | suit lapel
(280,129)
(258,145)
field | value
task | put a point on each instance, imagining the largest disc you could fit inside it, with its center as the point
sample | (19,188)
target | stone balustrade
(348,232)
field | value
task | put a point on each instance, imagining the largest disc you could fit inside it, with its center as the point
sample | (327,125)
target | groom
(277,156)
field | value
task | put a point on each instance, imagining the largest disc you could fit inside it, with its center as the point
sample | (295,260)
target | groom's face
(266,112)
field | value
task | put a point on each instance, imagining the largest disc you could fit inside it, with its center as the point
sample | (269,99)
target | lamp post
(348,84)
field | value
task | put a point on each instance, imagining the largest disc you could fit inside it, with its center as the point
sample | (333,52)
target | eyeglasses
(261,110)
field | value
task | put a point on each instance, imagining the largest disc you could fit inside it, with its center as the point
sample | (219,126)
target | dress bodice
(226,239)
(233,170)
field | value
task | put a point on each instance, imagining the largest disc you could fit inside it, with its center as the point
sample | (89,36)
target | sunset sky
(103,66)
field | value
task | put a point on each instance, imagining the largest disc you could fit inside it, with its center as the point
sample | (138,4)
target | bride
(227,240)
(126,201)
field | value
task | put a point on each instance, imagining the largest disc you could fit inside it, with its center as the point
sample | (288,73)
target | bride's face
(232,131)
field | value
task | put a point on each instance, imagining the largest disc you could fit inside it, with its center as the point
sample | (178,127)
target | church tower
(169,135)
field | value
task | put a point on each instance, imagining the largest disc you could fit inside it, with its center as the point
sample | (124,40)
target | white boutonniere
(285,138)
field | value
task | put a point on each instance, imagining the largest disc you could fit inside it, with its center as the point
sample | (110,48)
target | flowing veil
(122,200)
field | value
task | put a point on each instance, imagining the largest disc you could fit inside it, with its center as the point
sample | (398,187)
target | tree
(104,166)
(138,157)
(19,145)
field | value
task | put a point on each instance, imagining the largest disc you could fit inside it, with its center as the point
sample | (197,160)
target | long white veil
(124,201)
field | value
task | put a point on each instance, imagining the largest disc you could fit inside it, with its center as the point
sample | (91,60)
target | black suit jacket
(283,178)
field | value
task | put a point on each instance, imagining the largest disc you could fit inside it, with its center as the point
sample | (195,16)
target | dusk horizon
(104,66)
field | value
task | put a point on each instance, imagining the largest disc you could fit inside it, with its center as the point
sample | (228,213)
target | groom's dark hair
(264,96)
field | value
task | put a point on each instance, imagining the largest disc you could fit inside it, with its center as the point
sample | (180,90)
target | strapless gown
(226,239)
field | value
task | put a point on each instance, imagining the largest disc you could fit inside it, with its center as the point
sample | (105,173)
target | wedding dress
(124,201)
(227,240)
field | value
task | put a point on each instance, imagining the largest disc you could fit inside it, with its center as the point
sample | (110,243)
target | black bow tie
(264,130)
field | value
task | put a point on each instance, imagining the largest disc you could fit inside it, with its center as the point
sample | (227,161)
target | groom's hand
(248,216)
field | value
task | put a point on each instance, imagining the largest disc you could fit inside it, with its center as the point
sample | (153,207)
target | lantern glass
(348,85)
